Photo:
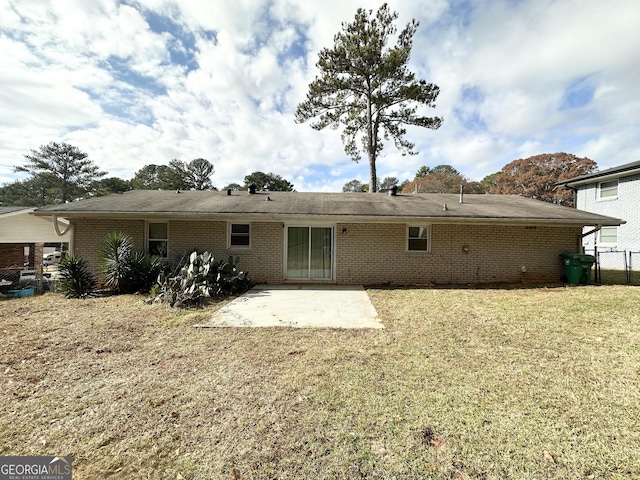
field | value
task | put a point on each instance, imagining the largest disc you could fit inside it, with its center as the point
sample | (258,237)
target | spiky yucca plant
(76,279)
(115,256)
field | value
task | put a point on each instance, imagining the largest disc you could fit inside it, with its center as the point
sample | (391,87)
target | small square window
(418,239)
(240,235)
(608,190)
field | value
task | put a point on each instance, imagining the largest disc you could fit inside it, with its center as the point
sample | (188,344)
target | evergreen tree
(367,87)
(66,171)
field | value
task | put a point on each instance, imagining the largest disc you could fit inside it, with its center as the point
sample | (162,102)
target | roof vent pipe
(445,208)
(461,193)
(228,192)
(252,189)
(394,191)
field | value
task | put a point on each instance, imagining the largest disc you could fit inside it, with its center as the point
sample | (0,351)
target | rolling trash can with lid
(577,268)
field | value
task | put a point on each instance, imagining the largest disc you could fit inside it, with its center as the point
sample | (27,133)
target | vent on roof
(394,191)
(228,192)
(252,189)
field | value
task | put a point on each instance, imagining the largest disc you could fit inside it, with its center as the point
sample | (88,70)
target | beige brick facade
(369,253)
(377,254)
(88,235)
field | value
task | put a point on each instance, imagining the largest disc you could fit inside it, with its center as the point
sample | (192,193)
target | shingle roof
(5,210)
(325,206)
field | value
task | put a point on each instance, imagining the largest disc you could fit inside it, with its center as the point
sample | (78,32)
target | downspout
(595,250)
(575,193)
(582,235)
(56,227)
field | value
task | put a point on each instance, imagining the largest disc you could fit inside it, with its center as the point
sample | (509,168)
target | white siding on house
(22,227)
(626,206)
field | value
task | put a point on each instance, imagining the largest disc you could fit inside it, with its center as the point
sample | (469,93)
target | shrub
(125,269)
(145,269)
(75,278)
(115,254)
(199,280)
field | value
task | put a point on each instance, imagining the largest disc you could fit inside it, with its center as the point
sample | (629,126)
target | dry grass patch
(536,383)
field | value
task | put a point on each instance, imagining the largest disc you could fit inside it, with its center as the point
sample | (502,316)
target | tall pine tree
(66,171)
(367,87)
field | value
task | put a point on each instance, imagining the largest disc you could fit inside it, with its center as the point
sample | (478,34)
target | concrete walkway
(303,306)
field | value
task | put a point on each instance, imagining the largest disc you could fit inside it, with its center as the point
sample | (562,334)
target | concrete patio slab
(301,306)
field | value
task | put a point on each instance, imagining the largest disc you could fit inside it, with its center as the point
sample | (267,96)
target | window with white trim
(418,238)
(240,235)
(608,190)
(158,239)
(608,236)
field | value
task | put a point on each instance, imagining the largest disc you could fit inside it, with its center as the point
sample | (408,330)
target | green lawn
(463,383)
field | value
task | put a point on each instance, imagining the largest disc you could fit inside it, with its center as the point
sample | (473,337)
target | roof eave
(595,178)
(336,218)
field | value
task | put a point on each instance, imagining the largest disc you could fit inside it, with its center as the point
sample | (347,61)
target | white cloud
(96,74)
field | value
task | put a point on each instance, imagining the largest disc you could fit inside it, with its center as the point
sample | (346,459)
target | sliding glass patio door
(310,253)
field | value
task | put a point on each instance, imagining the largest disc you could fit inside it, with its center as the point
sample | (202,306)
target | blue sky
(135,82)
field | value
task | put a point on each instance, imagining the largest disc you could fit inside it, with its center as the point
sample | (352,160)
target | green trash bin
(577,268)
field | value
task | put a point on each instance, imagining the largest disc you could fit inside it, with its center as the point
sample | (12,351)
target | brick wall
(375,254)
(38,253)
(264,260)
(12,254)
(370,253)
(89,234)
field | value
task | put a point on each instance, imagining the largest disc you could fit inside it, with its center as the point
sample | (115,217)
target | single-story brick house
(343,238)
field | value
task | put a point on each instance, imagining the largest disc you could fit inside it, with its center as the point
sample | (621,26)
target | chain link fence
(616,266)
(20,282)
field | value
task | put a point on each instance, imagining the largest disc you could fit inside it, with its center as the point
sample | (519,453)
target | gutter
(262,217)
(598,176)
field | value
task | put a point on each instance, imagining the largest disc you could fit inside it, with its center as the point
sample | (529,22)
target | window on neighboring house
(158,239)
(240,235)
(608,236)
(418,239)
(608,189)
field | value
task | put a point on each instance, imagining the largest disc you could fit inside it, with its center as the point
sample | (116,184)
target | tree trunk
(371,147)
(373,178)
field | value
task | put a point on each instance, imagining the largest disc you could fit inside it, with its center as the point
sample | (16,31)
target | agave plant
(202,278)
(76,279)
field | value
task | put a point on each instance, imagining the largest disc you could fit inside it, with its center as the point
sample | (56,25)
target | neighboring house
(343,238)
(23,237)
(613,192)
